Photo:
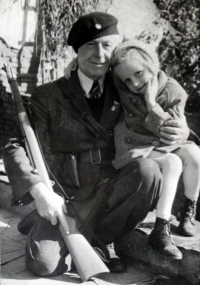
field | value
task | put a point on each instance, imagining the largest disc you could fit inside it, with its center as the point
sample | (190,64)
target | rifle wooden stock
(87,262)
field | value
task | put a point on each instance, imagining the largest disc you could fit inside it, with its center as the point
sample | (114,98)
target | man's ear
(73,65)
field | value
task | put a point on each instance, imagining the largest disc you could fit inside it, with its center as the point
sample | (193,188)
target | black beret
(91,26)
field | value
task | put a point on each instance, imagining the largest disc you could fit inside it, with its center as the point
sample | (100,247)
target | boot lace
(187,212)
(167,230)
(190,211)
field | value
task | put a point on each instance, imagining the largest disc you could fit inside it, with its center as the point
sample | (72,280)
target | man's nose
(135,83)
(100,51)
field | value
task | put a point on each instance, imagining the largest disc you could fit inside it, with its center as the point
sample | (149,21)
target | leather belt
(94,156)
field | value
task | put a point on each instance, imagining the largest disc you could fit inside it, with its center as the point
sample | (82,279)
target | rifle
(86,260)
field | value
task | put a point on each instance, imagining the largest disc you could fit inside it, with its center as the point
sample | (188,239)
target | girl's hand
(151,92)
(73,65)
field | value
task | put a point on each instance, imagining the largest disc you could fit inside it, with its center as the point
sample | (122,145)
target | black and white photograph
(100,142)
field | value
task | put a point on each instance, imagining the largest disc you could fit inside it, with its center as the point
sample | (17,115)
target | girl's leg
(171,168)
(190,156)
(160,238)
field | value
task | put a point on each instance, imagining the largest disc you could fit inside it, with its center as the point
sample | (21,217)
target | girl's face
(134,73)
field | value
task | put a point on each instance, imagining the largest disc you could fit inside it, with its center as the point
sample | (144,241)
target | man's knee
(151,181)
(149,169)
(144,171)
(45,263)
(45,250)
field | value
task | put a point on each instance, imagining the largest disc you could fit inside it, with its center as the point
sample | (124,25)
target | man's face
(94,56)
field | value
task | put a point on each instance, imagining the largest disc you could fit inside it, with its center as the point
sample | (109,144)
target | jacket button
(128,140)
(155,143)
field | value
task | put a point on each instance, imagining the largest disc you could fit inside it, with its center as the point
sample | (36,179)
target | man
(74,119)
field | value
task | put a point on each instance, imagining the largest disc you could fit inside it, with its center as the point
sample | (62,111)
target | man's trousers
(127,200)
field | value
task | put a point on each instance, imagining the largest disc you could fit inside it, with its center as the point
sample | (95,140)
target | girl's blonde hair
(123,51)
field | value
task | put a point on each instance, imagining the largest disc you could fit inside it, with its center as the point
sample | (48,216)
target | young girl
(149,98)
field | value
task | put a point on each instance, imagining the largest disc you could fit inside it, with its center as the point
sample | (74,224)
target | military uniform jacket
(58,118)
(136,137)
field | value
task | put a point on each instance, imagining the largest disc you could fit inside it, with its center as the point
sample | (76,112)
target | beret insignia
(98,26)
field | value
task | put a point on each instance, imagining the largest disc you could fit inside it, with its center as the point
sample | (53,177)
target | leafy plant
(58,17)
(179,49)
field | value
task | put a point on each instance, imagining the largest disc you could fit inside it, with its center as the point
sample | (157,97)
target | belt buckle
(95,156)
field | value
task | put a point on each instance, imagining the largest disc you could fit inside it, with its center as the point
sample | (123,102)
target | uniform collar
(86,82)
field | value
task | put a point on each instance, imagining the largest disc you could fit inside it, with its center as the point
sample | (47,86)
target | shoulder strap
(87,117)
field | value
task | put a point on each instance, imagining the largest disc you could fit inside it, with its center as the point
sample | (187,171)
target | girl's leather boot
(186,216)
(161,239)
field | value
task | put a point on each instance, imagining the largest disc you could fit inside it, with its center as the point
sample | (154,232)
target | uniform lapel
(74,94)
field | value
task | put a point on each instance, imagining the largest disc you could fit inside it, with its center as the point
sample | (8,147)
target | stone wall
(7,113)
(7,116)
(20,62)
